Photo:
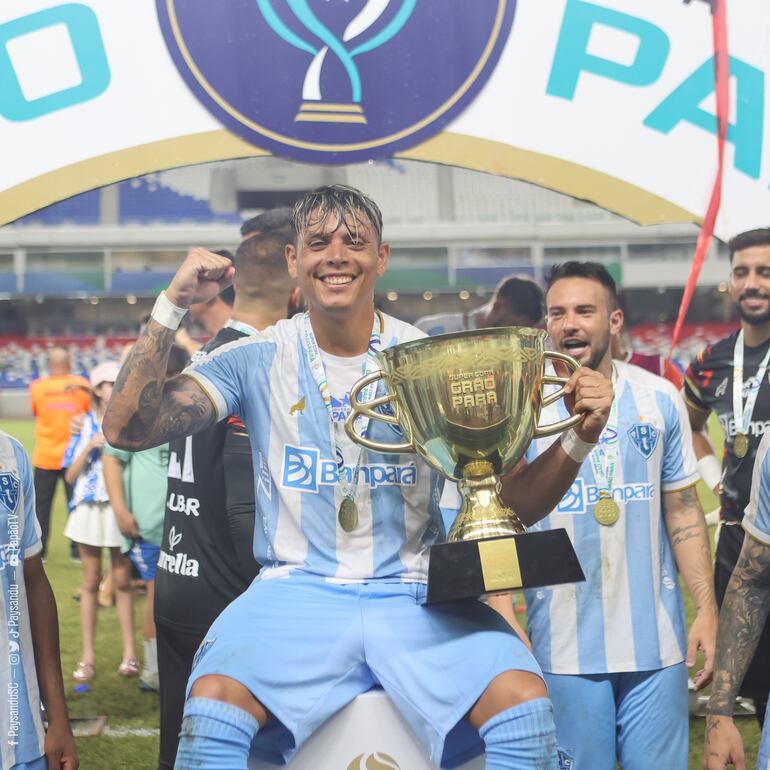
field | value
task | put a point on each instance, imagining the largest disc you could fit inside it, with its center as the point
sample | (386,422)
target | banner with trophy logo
(605,100)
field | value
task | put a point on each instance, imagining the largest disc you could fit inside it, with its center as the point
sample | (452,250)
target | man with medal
(343,533)
(730,378)
(615,647)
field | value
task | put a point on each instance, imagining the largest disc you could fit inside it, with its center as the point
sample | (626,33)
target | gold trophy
(469,404)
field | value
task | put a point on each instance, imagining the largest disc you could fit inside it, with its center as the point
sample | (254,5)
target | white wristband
(710,470)
(166,313)
(574,446)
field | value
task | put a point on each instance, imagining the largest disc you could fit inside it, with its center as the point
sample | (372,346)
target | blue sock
(214,736)
(522,738)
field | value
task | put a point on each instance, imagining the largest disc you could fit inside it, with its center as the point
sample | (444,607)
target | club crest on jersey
(9,491)
(644,436)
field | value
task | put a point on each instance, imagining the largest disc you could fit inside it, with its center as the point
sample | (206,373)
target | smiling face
(336,264)
(750,283)
(581,320)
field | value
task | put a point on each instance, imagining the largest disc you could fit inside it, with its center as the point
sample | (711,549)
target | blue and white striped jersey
(756,520)
(628,615)
(21,726)
(89,486)
(266,380)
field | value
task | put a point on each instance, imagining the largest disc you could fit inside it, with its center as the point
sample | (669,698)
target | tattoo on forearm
(689,538)
(741,620)
(683,534)
(146,411)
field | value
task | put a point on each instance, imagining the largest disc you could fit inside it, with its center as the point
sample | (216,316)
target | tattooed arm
(145,409)
(689,539)
(741,620)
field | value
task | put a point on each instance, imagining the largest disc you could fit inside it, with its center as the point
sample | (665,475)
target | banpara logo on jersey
(358,79)
(581,497)
(305,470)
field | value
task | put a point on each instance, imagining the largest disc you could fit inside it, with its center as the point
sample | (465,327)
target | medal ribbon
(604,456)
(743,413)
(313,353)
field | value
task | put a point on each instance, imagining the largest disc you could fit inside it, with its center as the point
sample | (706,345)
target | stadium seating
(23,360)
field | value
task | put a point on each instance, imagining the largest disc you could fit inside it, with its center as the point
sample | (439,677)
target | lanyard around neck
(604,456)
(742,413)
(318,371)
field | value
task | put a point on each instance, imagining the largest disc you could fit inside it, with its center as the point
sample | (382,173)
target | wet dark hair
(344,203)
(594,271)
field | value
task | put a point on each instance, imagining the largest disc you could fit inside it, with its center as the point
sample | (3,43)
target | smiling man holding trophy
(345,531)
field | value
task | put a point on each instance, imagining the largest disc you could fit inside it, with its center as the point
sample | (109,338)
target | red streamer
(722,88)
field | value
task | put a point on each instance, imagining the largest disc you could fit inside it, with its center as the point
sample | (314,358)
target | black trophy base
(470,568)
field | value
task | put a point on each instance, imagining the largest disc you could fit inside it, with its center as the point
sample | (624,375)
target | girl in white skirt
(92,526)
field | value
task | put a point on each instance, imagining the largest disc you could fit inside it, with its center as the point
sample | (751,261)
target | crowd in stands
(23,359)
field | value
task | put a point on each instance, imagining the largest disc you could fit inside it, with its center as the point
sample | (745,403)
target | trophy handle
(551,379)
(367,410)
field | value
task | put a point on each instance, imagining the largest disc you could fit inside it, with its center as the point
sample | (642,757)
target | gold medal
(741,445)
(606,511)
(348,514)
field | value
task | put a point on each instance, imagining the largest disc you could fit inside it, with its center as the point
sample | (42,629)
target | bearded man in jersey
(338,606)
(615,646)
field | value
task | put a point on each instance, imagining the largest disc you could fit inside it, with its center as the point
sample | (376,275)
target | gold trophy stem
(482,514)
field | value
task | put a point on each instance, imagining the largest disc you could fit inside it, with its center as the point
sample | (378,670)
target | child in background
(136,483)
(92,526)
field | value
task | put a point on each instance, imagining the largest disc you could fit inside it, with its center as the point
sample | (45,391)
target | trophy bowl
(469,404)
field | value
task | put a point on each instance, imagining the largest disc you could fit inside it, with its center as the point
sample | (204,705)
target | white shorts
(94,524)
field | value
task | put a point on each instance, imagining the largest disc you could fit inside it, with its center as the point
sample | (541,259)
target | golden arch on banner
(447,148)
